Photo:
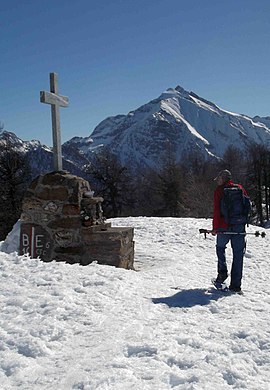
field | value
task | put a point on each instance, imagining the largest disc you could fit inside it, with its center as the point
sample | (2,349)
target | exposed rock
(63,221)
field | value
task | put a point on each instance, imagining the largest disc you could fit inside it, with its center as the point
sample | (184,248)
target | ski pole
(256,234)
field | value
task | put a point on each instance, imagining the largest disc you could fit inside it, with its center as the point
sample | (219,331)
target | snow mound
(12,241)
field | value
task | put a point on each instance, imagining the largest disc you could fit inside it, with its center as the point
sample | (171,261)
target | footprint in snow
(140,351)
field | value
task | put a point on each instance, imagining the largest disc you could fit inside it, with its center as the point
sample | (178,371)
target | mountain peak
(188,121)
(174,92)
(180,89)
(8,135)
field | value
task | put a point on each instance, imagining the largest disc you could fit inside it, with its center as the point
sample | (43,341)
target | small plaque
(35,241)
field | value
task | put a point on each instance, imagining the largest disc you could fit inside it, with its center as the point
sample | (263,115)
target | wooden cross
(56,101)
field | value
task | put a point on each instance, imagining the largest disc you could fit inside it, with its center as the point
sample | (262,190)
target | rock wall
(63,221)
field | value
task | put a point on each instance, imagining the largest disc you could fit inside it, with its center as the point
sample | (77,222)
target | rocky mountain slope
(40,156)
(177,120)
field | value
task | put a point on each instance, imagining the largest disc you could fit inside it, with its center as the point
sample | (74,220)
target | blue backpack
(235,206)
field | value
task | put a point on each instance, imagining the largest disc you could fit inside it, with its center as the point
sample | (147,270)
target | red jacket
(218,220)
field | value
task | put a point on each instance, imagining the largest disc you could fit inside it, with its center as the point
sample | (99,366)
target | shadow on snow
(190,298)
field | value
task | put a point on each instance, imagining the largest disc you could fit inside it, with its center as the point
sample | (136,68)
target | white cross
(55,101)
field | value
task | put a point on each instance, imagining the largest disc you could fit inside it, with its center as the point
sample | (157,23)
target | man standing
(222,223)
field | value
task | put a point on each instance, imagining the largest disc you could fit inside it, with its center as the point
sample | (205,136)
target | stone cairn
(63,221)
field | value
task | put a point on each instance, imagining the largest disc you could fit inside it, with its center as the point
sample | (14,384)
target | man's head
(223,177)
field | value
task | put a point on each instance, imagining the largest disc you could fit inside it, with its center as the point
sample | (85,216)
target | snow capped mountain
(264,120)
(177,119)
(39,156)
(10,139)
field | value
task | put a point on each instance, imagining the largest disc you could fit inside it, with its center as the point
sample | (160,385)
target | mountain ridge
(186,121)
(178,120)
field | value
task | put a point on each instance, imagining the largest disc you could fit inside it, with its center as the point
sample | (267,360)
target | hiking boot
(219,285)
(235,289)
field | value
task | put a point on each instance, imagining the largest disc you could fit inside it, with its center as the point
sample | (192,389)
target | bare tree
(112,181)
(234,160)
(199,184)
(171,188)
(258,164)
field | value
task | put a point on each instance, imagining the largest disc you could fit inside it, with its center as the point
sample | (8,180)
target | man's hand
(206,231)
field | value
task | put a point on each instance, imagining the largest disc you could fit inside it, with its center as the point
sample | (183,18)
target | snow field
(161,327)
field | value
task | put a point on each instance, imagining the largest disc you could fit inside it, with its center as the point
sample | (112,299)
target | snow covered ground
(163,327)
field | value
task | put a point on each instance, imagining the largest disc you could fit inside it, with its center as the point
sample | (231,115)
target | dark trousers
(238,244)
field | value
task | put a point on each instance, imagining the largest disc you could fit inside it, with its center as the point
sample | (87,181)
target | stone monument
(61,219)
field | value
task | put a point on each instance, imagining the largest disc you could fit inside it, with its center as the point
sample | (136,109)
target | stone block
(122,234)
(91,201)
(34,183)
(113,246)
(51,207)
(62,178)
(127,261)
(48,193)
(70,250)
(64,238)
(108,255)
(71,222)
(31,203)
(40,218)
(71,209)
(95,228)
(67,258)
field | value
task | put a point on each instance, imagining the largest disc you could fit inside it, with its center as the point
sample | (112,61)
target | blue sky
(113,56)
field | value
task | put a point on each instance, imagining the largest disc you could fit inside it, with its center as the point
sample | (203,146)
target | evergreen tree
(14,179)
